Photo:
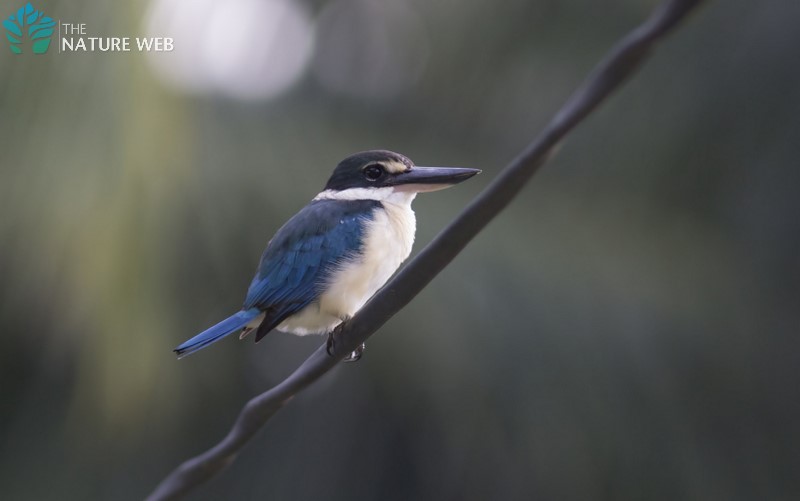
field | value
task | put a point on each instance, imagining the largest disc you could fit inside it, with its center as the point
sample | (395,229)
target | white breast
(388,239)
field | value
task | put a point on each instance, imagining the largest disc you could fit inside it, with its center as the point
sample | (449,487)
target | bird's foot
(331,345)
(356,355)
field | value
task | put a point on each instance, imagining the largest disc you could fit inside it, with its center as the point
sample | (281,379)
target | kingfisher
(330,258)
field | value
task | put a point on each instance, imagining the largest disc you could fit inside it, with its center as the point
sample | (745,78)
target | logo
(29,27)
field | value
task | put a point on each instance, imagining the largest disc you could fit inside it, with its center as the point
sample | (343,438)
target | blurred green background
(627,329)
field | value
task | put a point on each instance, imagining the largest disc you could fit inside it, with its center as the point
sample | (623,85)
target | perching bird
(324,264)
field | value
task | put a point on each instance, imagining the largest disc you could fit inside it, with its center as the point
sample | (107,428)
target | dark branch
(612,71)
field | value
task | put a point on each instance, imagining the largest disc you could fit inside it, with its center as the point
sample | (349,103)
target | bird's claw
(330,347)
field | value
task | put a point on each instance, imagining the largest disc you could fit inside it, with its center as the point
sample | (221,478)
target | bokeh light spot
(245,49)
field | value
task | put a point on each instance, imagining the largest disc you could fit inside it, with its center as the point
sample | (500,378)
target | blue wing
(302,255)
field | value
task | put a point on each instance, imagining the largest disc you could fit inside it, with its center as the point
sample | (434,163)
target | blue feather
(305,251)
(222,329)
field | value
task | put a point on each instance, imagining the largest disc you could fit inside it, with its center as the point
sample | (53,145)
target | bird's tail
(219,331)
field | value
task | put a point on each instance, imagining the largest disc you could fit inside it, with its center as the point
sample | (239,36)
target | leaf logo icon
(29,23)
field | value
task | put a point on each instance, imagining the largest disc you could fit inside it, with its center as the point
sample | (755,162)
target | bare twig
(612,71)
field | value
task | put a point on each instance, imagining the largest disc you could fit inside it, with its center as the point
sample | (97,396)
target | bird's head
(378,174)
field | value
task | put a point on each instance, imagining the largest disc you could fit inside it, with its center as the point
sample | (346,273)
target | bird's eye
(373,172)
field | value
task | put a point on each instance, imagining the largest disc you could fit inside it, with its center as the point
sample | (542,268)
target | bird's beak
(423,179)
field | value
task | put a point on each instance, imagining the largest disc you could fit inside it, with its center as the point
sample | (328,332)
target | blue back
(303,253)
